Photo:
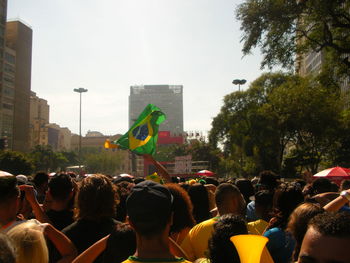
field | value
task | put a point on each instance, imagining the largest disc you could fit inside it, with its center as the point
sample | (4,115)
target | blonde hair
(30,243)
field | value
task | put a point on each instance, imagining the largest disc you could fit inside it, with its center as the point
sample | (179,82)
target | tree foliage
(15,163)
(106,162)
(280,115)
(44,158)
(283,29)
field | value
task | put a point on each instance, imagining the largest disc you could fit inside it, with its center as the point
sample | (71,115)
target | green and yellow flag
(143,134)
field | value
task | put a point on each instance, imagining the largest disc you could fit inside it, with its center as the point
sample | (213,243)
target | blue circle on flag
(140,132)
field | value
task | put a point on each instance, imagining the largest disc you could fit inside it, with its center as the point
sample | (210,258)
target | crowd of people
(98,218)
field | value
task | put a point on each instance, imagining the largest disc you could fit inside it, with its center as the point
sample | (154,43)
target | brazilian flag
(143,134)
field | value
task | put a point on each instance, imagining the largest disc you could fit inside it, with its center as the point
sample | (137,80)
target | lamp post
(239,82)
(80,91)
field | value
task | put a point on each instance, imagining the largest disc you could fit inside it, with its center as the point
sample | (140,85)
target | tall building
(18,37)
(5,117)
(8,95)
(39,118)
(166,97)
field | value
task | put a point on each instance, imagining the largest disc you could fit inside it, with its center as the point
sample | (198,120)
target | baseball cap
(149,201)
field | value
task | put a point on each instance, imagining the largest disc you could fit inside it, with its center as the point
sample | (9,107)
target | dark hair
(321,185)
(61,187)
(222,192)
(332,224)
(246,187)
(185,186)
(8,188)
(211,180)
(285,200)
(345,185)
(120,244)
(221,249)
(182,208)
(268,180)
(200,201)
(298,222)
(40,178)
(138,180)
(123,189)
(96,198)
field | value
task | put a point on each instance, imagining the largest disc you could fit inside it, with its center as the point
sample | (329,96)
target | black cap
(149,201)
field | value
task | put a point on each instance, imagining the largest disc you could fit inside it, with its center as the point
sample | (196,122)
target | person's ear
(128,221)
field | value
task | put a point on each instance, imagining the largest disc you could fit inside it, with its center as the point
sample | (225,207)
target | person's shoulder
(275,232)
(71,227)
(203,225)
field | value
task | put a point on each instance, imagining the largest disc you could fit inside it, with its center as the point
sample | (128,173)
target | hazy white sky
(106,46)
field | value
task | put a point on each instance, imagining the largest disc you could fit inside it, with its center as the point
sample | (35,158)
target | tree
(105,162)
(44,158)
(283,29)
(279,115)
(15,163)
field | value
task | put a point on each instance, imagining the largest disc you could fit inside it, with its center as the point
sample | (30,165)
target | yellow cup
(249,247)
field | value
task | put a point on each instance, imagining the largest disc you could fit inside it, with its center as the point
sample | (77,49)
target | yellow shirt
(196,243)
(133,259)
(257,227)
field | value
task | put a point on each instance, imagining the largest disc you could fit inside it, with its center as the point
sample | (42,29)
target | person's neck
(59,205)
(153,247)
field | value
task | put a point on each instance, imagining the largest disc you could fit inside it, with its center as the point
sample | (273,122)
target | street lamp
(80,91)
(239,82)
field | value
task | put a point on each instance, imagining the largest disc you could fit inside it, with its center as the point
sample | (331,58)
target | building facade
(6,116)
(39,119)
(8,95)
(59,138)
(18,37)
(168,98)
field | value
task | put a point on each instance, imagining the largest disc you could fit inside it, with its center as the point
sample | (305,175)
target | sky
(106,46)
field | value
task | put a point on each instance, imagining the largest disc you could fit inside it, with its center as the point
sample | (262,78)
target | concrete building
(59,138)
(39,119)
(6,115)
(311,63)
(8,95)
(18,37)
(166,97)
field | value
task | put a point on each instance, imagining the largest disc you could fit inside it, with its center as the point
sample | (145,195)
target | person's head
(229,199)
(96,198)
(7,248)
(327,239)
(149,209)
(263,204)
(9,200)
(298,222)
(200,200)
(321,185)
(61,187)
(211,180)
(285,200)
(246,187)
(41,180)
(182,208)
(221,249)
(124,239)
(268,180)
(138,180)
(29,242)
(345,185)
